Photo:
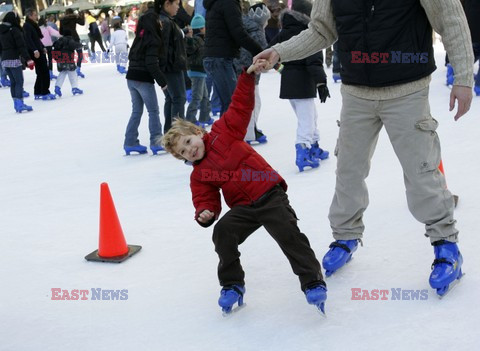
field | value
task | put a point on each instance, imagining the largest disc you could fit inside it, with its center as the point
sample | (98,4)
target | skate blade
(233,310)
(321,310)
(452,286)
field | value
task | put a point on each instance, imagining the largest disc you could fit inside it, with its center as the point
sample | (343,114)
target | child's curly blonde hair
(180,127)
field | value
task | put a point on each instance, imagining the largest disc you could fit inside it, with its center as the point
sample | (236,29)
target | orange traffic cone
(112,246)
(440,168)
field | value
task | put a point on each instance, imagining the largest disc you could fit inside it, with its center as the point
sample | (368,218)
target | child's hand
(258,67)
(206,216)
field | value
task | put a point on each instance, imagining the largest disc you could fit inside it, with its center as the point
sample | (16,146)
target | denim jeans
(214,101)
(16,81)
(175,98)
(476,52)
(143,93)
(224,78)
(199,101)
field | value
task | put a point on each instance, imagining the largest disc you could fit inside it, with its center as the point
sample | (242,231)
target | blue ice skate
(339,254)
(447,266)
(5,82)
(79,73)
(230,295)
(336,76)
(476,89)
(20,106)
(25,94)
(304,159)
(156,149)
(317,296)
(135,148)
(205,124)
(58,91)
(52,76)
(317,152)
(45,97)
(76,91)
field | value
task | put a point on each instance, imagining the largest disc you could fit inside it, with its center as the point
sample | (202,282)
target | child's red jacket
(230,163)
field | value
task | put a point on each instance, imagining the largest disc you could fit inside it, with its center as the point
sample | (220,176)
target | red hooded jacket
(230,163)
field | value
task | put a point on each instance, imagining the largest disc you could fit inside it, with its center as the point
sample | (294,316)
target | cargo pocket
(428,146)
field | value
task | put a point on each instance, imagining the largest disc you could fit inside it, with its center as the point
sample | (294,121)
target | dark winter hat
(302,6)
(12,18)
(198,22)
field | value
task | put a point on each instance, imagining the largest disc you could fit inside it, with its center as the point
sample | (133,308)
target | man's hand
(270,55)
(206,216)
(464,96)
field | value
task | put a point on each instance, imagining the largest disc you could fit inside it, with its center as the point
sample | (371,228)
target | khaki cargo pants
(411,130)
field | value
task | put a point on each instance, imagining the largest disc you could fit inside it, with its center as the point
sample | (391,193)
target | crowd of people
(189,55)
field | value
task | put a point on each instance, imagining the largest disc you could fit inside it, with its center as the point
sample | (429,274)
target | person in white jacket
(119,41)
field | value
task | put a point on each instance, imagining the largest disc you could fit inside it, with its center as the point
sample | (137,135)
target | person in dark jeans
(93,32)
(253,190)
(12,48)
(174,63)
(38,52)
(70,21)
(225,34)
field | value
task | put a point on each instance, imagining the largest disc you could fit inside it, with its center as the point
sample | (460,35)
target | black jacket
(70,22)
(12,43)
(144,66)
(224,30)
(472,10)
(368,28)
(300,77)
(63,52)
(195,47)
(175,58)
(33,34)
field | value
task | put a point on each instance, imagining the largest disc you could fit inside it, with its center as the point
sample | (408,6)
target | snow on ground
(54,159)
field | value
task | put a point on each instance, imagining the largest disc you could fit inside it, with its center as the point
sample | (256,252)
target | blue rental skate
(317,152)
(229,296)
(304,158)
(336,77)
(340,253)
(476,89)
(76,91)
(317,296)
(447,266)
(58,91)
(156,149)
(135,148)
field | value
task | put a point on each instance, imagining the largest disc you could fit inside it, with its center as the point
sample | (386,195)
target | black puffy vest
(373,29)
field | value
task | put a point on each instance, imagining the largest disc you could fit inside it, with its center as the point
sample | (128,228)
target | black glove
(323,92)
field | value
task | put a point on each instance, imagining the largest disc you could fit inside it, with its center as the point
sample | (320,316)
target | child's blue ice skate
(339,254)
(476,89)
(229,295)
(205,124)
(20,106)
(156,149)
(58,91)
(450,75)
(189,95)
(447,266)
(336,76)
(52,76)
(317,152)
(25,94)
(76,91)
(304,159)
(317,296)
(135,148)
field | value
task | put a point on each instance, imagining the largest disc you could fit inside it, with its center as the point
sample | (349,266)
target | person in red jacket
(253,190)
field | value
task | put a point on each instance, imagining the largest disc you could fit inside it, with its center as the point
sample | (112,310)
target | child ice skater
(63,52)
(119,42)
(253,190)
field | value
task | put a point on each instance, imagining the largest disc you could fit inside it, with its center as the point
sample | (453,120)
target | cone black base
(132,250)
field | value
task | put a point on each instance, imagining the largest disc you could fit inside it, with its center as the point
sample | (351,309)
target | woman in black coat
(299,84)
(13,51)
(472,11)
